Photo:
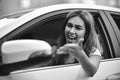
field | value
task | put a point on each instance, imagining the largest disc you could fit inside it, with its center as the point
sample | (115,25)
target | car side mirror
(19,50)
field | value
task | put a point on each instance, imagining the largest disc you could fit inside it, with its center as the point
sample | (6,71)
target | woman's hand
(76,49)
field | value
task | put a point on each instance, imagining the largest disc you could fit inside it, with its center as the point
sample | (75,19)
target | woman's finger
(62,50)
(80,42)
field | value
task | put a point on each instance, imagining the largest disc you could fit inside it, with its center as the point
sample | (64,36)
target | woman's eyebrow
(70,24)
(78,26)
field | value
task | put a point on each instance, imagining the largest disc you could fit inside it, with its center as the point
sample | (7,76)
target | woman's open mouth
(71,37)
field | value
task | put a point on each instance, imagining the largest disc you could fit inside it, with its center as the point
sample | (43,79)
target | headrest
(19,50)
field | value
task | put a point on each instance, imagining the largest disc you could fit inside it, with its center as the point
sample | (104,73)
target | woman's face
(74,30)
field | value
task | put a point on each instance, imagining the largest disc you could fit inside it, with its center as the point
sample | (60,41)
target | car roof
(85,6)
(43,10)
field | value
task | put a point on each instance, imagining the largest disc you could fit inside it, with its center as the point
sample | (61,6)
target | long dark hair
(90,39)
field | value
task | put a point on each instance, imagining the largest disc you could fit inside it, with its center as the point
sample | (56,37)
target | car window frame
(27,25)
(116,32)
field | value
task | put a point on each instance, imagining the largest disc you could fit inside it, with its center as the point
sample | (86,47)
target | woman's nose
(72,30)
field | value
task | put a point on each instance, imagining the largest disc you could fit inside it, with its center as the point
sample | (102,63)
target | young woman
(80,42)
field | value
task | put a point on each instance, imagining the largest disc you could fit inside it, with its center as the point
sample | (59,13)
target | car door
(48,27)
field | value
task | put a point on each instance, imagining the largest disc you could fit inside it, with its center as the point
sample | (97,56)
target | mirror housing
(20,50)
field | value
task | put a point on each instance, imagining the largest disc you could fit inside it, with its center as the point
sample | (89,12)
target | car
(20,33)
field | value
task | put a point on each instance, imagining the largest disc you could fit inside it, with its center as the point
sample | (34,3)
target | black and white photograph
(59,39)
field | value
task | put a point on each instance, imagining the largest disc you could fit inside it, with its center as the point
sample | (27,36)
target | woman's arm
(89,64)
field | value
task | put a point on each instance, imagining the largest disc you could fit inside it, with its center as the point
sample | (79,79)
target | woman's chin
(71,41)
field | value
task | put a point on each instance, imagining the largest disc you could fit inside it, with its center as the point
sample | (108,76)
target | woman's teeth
(72,37)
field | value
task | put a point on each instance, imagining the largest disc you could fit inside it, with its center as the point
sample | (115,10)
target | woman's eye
(69,25)
(78,27)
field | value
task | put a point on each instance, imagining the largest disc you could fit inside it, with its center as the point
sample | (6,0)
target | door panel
(54,73)
(71,72)
(4,78)
(106,68)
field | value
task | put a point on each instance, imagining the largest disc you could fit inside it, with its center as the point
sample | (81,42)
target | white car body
(62,72)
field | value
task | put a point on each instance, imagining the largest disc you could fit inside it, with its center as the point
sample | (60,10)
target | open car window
(48,28)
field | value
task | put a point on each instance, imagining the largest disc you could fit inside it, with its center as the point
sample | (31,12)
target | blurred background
(10,6)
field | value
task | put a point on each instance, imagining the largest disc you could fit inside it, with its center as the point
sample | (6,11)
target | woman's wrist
(81,55)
